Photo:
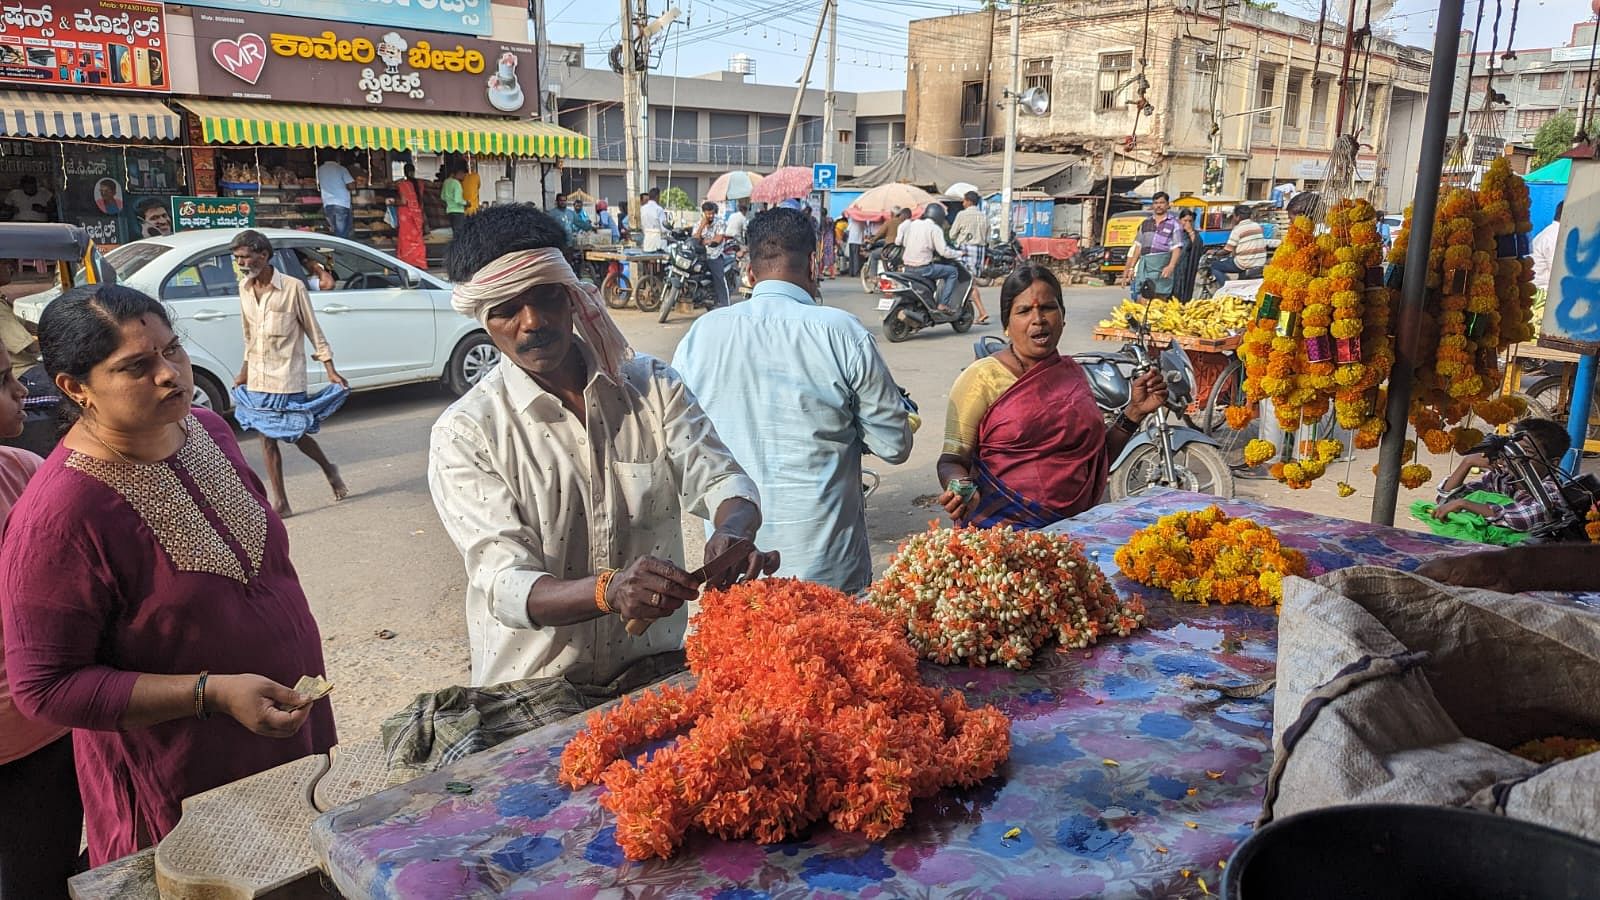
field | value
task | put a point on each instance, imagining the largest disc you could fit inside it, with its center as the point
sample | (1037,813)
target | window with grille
(1205,79)
(1036,74)
(1319,102)
(1291,99)
(1115,68)
(972,103)
(1533,118)
(1550,81)
(1266,91)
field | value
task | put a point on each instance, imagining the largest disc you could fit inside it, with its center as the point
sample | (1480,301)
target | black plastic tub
(1387,851)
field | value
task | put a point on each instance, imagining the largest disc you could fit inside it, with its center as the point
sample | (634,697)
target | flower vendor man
(558,476)
(1545,442)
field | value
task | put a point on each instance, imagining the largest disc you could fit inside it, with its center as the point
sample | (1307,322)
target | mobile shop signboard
(108,44)
(453,16)
(197,213)
(258,57)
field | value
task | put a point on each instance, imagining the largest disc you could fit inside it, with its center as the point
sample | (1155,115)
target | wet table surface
(1185,784)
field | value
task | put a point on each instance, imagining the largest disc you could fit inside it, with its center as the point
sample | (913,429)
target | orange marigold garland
(996,595)
(809,705)
(1206,556)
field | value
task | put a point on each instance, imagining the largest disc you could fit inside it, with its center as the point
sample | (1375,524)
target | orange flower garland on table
(996,595)
(808,705)
(1206,556)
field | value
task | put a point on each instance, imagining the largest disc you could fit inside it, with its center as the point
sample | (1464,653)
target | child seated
(1545,442)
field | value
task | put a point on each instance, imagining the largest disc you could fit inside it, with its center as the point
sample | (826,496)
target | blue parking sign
(824,176)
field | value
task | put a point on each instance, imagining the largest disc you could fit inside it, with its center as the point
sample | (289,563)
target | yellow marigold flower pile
(1591,525)
(1555,749)
(997,595)
(1207,556)
(1258,451)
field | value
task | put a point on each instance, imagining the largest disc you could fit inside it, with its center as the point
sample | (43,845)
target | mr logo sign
(300,59)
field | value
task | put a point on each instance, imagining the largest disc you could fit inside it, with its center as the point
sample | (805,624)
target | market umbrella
(735,185)
(877,203)
(960,189)
(788,183)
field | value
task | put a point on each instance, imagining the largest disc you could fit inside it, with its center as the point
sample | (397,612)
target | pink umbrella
(877,203)
(735,185)
(788,183)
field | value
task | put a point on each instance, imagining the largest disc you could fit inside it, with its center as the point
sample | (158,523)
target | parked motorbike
(911,303)
(1000,260)
(1085,263)
(881,258)
(690,277)
(1166,452)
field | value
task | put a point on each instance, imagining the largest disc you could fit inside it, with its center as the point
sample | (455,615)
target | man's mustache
(538,340)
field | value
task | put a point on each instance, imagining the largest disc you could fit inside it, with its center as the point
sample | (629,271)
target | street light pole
(1008,173)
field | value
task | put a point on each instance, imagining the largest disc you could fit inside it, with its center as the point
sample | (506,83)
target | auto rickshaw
(77,261)
(1121,231)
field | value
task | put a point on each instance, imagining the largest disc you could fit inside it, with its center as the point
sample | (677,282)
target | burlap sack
(1394,688)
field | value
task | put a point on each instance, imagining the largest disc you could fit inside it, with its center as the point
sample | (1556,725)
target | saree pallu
(1041,453)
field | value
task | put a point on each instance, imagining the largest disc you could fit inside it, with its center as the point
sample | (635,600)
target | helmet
(934,211)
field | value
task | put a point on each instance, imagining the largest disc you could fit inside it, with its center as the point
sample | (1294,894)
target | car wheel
(209,395)
(473,358)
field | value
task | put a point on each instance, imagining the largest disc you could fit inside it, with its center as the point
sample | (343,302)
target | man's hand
(755,564)
(1147,394)
(258,703)
(1167,272)
(335,378)
(1489,569)
(957,506)
(1473,461)
(1443,510)
(242,379)
(650,588)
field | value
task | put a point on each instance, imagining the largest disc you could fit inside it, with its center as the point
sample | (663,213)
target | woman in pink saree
(1025,445)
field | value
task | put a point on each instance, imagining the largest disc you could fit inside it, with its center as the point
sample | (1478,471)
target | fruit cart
(622,285)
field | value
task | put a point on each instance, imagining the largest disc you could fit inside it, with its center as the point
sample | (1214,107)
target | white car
(387,322)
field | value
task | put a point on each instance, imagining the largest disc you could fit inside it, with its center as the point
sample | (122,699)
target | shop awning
(297,125)
(29,114)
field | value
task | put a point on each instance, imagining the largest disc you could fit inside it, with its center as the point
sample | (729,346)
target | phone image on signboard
(121,64)
(42,58)
(158,69)
(141,66)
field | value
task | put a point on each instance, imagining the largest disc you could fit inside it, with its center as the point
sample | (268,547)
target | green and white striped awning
(42,115)
(297,125)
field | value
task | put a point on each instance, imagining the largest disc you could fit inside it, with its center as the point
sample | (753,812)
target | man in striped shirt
(1246,247)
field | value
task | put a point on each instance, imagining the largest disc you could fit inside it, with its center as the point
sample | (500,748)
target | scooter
(690,275)
(910,303)
(1167,451)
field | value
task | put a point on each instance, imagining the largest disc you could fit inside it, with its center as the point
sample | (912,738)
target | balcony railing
(874,154)
(731,156)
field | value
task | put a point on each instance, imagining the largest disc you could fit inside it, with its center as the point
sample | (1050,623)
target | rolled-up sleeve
(56,602)
(484,520)
(706,472)
(881,412)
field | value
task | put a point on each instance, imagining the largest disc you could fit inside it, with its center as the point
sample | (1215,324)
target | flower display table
(1121,777)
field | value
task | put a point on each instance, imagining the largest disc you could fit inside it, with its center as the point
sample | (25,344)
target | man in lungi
(1155,252)
(558,476)
(269,393)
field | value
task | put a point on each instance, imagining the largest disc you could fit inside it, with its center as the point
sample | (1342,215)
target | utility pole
(828,134)
(1216,82)
(633,116)
(1012,99)
(800,89)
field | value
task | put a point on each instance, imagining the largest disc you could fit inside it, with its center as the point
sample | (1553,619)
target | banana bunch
(1212,318)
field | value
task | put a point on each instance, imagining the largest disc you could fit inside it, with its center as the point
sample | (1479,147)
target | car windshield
(128,259)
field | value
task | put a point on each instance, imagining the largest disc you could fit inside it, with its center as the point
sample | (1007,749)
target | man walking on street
(270,391)
(854,237)
(653,221)
(334,181)
(1155,251)
(970,231)
(926,248)
(798,391)
(1246,247)
(559,475)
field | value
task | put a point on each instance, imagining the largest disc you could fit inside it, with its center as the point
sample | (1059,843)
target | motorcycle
(690,275)
(1000,260)
(1167,452)
(910,303)
(1085,264)
(881,258)
(1205,285)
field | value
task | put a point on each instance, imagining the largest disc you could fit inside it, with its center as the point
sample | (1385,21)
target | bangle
(600,584)
(200,696)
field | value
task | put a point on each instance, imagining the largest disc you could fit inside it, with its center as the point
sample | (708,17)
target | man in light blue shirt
(333,181)
(798,392)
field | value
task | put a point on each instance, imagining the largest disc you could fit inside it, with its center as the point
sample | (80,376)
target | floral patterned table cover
(1119,780)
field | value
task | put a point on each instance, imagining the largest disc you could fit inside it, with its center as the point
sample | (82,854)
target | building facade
(1255,97)
(1537,85)
(703,126)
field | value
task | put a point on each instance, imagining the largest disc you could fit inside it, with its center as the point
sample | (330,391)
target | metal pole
(1216,82)
(828,97)
(1578,415)
(1430,165)
(1007,174)
(630,117)
(800,89)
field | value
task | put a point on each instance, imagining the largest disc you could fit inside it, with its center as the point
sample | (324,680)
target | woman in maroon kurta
(149,601)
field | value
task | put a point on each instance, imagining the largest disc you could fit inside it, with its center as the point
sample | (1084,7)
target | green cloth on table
(1469,526)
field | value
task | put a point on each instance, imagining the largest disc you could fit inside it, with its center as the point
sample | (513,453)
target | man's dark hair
(972,197)
(655,193)
(148,204)
(1245,211)
(1550,437)
(83,327)
(708,206)
(645,195)
(252,240)
(498,230)
(904,213)
(778,235)
(1160,195)
(744,206)
(560,197)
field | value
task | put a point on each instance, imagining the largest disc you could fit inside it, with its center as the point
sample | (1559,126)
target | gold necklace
(101,441)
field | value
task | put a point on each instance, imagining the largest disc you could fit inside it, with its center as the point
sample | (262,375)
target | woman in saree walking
(149,602)
(1025,444)
(409,244)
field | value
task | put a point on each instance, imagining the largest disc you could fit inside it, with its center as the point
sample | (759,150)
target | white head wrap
(509,276)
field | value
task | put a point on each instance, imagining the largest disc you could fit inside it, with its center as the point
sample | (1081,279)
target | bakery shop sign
(257,57)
